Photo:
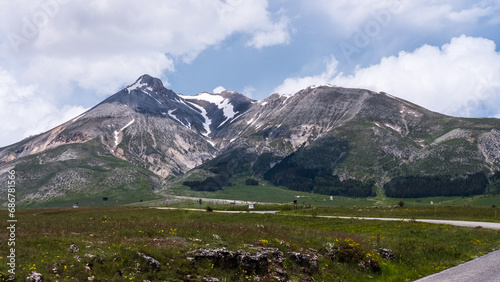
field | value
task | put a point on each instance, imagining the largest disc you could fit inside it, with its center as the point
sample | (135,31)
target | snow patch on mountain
(221,103)
(137,86)
(394,127)
(127,125)
(207,122)
(171,114)
(144,88)
(117,132)
(205,96)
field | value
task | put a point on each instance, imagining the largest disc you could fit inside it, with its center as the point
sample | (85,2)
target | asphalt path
(473,224)
(202,210)
(483,269)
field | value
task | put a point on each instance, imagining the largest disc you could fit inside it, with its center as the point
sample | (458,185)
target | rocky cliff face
(349,133)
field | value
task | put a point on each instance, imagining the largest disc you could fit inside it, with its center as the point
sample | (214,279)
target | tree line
(318,181)
(432,186)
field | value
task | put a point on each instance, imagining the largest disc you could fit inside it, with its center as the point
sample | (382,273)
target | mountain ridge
(319,136)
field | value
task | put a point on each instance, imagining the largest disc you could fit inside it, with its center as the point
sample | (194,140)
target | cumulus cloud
(219,89)
(105,43)
(383,18)
(59,49)
(25,112)
(460,78)
(272,33)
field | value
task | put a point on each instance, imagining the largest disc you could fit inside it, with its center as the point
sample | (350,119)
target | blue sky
(59,57)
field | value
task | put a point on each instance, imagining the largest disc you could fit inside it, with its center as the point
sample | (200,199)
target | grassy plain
(267,192)
(111,242)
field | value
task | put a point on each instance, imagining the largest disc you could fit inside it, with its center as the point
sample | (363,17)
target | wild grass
(486,214)
(111,241)
(269,193)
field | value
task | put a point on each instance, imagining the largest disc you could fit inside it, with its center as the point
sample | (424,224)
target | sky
(58,58)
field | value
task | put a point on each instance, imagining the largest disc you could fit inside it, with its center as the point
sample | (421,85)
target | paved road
(188,209)
(487,225)
(482,269)
(473,224)
(210,200)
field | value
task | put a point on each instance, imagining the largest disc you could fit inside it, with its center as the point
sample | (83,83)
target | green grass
(120,195)
(115,236)
(484,214)
(266,192)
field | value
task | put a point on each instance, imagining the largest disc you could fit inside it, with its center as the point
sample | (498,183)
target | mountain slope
(145,125)
(353,134)
(323,139)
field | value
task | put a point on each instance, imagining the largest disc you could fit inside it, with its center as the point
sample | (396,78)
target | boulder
(73,249)
(34,277)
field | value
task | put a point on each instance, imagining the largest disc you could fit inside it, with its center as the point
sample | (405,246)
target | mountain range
(322,139)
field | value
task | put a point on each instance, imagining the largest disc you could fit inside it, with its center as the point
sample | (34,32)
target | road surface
(189,209)
(473,224)
(482,269)
(487,225)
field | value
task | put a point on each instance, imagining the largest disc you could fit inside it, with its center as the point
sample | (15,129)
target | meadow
(269,193)
(119,243)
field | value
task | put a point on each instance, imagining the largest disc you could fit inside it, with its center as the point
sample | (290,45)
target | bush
(211,184)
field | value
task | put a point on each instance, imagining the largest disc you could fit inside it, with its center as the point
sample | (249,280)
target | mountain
(322,139)
(322,136)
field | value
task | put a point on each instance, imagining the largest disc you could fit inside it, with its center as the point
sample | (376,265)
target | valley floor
(136,244)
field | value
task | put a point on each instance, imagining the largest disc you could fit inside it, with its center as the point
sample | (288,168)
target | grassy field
(140,193)
(486,214)
(115,244)
(467,213)
(267,192)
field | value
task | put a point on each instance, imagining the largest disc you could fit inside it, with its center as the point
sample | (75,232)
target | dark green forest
(432,186)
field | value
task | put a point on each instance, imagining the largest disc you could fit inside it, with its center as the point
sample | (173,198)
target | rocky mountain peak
(146,82)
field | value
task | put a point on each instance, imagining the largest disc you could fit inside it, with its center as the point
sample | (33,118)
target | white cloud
(54,118)
(99,44)
(26,111)
(272,34)
(102,75)
(348,16)
(470,15)
(292,85)
(53,50)
(219,89)
(249,91)
(461,78)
